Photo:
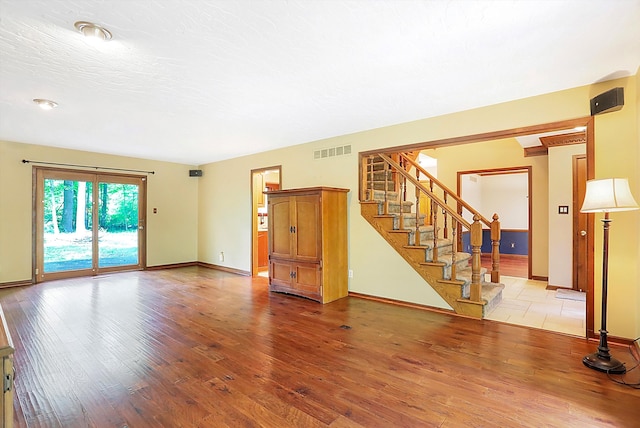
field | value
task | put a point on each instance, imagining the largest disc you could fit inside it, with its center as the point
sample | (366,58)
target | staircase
(431,250)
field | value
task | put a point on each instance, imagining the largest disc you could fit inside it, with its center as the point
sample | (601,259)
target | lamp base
(607,365)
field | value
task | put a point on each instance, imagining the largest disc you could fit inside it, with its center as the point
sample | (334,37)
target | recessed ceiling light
(45,104)
(92,31)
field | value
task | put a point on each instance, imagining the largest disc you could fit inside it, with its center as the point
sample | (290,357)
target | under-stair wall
(430,249)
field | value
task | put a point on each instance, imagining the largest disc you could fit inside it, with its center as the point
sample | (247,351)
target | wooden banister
(400,169)
(428,192)
(448,191)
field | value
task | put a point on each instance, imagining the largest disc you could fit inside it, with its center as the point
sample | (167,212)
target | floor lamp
(606,195)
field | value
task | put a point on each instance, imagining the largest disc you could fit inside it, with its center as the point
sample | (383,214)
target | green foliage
(117,206)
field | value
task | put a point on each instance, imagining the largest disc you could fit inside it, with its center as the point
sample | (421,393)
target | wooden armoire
(308,242)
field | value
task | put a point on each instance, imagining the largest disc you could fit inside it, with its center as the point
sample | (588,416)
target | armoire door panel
(307,232)
(280,226)
(280,272)
(308,279)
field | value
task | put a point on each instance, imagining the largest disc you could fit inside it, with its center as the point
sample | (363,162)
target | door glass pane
(118,224)
(67,225)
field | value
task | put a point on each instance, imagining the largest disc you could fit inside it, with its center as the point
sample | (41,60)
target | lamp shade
(608,195)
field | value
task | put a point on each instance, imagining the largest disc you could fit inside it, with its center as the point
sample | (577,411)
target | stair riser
(379,175)
(459,266)
(454,292)
(442,251)
(379,185)
(425,237)
(409,222)
(394,207)
(378,195)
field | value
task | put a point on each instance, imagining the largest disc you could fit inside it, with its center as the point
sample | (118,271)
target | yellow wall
(636,186)
(618,155)
(171,233)
(225,202)
(199,218)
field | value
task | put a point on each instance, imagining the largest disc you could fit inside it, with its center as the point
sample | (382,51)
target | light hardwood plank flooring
(194,347)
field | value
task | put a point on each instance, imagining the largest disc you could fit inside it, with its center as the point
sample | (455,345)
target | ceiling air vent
(332,152)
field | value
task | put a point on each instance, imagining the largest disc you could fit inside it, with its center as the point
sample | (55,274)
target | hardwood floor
(510,265)
(194,347)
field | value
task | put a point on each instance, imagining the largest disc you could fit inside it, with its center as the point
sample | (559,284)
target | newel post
(476,244)
(495,249)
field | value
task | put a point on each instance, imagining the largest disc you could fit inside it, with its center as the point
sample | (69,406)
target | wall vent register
(332,152)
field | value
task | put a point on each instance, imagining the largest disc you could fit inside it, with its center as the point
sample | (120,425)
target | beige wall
(225,202)
(198,218)
(503,154)
(637,194)
(561,225)
(171,233)
(618,155)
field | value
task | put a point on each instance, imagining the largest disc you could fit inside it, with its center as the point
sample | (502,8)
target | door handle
(583,233)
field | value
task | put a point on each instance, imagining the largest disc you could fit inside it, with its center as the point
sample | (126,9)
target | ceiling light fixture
(92,31)
(45,104)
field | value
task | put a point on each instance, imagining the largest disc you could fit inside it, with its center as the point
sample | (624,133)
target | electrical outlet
(221,256)
(513,245)
(350,273)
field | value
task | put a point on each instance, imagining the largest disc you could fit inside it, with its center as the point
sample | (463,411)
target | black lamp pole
(602,360)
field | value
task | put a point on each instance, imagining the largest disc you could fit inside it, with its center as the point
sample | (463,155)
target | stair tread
(460,256)
(428,245)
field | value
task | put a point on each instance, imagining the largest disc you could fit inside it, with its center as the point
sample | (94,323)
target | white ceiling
(195,81)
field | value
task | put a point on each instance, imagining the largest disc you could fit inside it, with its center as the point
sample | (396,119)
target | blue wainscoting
(512,242)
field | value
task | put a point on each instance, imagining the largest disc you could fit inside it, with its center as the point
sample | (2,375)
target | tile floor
(528,303)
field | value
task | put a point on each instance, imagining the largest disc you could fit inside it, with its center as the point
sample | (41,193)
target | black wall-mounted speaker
(195,173)
(609,101)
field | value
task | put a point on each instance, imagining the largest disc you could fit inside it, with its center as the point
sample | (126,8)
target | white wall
(561,225)
(471,192)
(507,195)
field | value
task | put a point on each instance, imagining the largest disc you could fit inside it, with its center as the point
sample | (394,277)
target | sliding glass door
(87,223)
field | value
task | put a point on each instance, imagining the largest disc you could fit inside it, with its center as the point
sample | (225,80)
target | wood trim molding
(588,121)
(224,268)
(487,136)
(406,304)
(16,283)
(564,139)
(555,141)
(200,264)
(535,151)
(171,266)
(615,340)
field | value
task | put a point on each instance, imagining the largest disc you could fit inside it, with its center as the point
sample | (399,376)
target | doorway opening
(506,191)
(262,180)
(87,224)
(543,144)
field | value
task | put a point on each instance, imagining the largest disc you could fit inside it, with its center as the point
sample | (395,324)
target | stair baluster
(370,189)
(434,210)
(403,198)
(433,205)
(440,274)
(454,249)
(476,244)
(385,171)
(495,249)
(446,230)
(418,238)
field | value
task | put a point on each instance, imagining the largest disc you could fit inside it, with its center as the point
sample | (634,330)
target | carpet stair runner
(437,273)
